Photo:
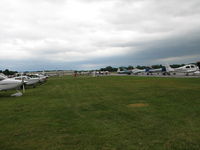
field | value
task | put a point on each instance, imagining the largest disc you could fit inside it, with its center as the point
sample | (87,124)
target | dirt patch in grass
(138,105)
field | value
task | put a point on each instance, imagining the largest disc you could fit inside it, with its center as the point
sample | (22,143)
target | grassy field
(103,113)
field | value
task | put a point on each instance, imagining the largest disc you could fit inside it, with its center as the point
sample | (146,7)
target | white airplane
(148,70)
(28,80)
(158,70)
(42,78)
(125,71)
(136,71)
(190,68)
(9,84)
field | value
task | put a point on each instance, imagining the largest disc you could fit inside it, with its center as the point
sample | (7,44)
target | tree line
(7,72)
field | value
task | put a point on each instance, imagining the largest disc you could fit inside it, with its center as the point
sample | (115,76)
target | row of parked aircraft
(167,69)
(20,81)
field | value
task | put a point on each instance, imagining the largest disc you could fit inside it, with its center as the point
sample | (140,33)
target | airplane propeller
(23,84)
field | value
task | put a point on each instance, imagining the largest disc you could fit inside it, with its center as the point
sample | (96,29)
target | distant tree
(156,66)
(115,69)
(109,68)
(177,65)
(102,69)
(8,72)
(0,71)
(123,68)
(141,67)
(130,67)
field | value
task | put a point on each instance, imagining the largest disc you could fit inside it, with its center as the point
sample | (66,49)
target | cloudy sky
(88,34)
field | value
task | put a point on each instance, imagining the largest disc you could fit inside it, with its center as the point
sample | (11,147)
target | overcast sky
(89,34)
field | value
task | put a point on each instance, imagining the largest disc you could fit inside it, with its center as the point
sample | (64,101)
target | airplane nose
(17,82)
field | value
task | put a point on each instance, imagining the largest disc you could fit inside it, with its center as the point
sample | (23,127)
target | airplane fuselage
(8,84)
(136,71)
(28,80)
(186,69)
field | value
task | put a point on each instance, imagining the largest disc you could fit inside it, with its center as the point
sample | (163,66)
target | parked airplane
(125,71)
(29,80)
(9,84)
(148,70)
(159,70)
(42,78)
(191,68)
(136,71)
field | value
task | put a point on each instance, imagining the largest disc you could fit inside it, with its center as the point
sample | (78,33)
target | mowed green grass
(88,113)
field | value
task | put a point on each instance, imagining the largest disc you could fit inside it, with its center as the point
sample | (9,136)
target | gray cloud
(90,33)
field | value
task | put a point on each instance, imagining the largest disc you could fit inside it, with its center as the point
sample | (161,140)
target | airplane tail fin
(43,73)
(118,70)
(168,68)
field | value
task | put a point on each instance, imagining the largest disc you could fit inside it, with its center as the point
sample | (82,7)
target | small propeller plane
(10,84)
(148,70)
(136,71)
(159,70)
(42,78)
(125,71)
(190,68)
(29,80)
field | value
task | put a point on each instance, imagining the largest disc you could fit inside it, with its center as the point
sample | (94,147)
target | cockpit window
(192,66)
(187,66)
